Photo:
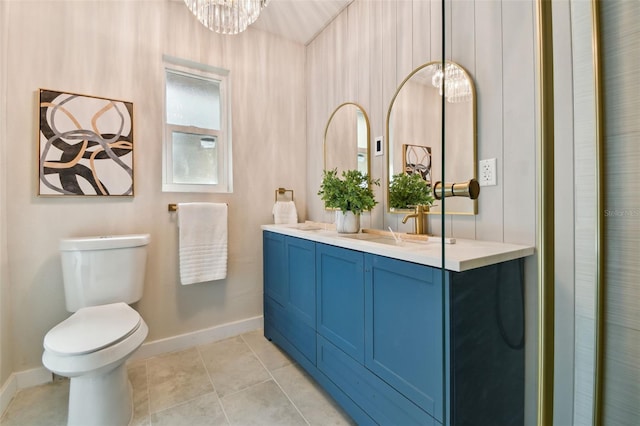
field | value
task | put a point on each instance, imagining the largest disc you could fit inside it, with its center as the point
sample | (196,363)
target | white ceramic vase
(347,222)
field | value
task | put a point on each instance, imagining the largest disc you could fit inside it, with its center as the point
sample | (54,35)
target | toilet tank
(101,270)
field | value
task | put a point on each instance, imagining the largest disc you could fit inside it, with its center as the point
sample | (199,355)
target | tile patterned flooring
(243,380)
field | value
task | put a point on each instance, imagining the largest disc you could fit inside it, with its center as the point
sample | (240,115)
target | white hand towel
(203,242)
(285,212)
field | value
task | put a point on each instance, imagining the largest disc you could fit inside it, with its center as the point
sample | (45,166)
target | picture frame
(85,145)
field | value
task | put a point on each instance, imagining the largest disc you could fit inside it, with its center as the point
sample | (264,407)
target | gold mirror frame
(472,208)
(338,114)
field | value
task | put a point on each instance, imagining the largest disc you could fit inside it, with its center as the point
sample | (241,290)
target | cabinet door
(301,267)
(404,335)
(275,267)
(300,329)
(340,298)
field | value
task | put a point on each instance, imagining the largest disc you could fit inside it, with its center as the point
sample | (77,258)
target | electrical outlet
(488,172)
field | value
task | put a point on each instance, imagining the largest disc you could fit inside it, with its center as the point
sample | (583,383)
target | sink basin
(381,239)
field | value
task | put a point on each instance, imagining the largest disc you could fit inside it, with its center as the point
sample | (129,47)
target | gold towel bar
(281,191)
(174,207)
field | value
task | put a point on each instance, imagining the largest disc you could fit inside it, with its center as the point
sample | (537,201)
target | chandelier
(456,87)
(226,16)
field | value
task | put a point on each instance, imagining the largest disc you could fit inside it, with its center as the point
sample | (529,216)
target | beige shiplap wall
(366,52)
(114,49)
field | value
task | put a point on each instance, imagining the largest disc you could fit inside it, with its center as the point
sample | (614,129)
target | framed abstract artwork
(417,159)
(85,145)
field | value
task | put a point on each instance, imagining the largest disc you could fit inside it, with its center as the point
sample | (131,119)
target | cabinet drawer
(300,335)
(379,400)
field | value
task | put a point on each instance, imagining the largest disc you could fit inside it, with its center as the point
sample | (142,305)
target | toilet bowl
(91,348)
(102,275)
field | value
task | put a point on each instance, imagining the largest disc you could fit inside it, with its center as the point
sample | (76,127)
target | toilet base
(101,399)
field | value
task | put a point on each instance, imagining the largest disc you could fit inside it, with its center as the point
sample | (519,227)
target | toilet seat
(92,329)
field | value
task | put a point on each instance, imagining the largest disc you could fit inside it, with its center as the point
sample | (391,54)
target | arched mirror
(346,139)
(414,131)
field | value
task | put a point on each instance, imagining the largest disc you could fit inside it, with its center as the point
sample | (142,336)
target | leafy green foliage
(352,192)
(408,190)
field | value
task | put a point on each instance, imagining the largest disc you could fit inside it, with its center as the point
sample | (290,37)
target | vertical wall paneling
(519,165)
(377,108)
(404,40)
(489,96)
(390,77)
(388,71)
(621,84)
(463,52)
(318,112)
(421,14)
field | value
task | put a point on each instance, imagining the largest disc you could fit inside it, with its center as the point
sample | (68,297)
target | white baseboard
(21,380)
(33,377)
(8,389)
(195,338)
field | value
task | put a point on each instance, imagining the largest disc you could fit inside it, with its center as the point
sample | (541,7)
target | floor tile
(176,389)
(261,404)
(270,355)
(44,405)
(175,378)
(317,407)
(138,377)
(204,410)
(232,365)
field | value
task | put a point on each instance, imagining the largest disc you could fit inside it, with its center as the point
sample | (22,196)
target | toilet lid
(91,329)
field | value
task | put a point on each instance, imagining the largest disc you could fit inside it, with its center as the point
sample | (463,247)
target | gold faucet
(420,215)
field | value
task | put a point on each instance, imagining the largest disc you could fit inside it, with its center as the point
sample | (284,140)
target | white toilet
(102,275)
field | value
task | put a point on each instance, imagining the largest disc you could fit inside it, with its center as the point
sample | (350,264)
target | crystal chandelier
(226,16)
(457,88)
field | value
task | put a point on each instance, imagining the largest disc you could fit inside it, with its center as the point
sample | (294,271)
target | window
(197,135)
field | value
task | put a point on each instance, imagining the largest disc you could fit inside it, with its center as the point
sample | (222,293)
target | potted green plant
(350,195)
(409,190)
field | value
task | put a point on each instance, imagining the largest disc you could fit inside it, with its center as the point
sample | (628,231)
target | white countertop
(461,256)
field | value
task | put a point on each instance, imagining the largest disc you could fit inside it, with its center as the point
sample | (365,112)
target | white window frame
(225,170)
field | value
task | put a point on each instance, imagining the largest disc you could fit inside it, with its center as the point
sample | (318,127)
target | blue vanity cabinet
(392,341)
(404,329)
(290,294)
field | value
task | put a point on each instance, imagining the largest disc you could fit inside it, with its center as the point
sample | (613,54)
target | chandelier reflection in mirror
(226,16)
(457,87)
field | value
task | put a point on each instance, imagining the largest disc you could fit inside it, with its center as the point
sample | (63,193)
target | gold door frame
(546,227)
(545,205)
